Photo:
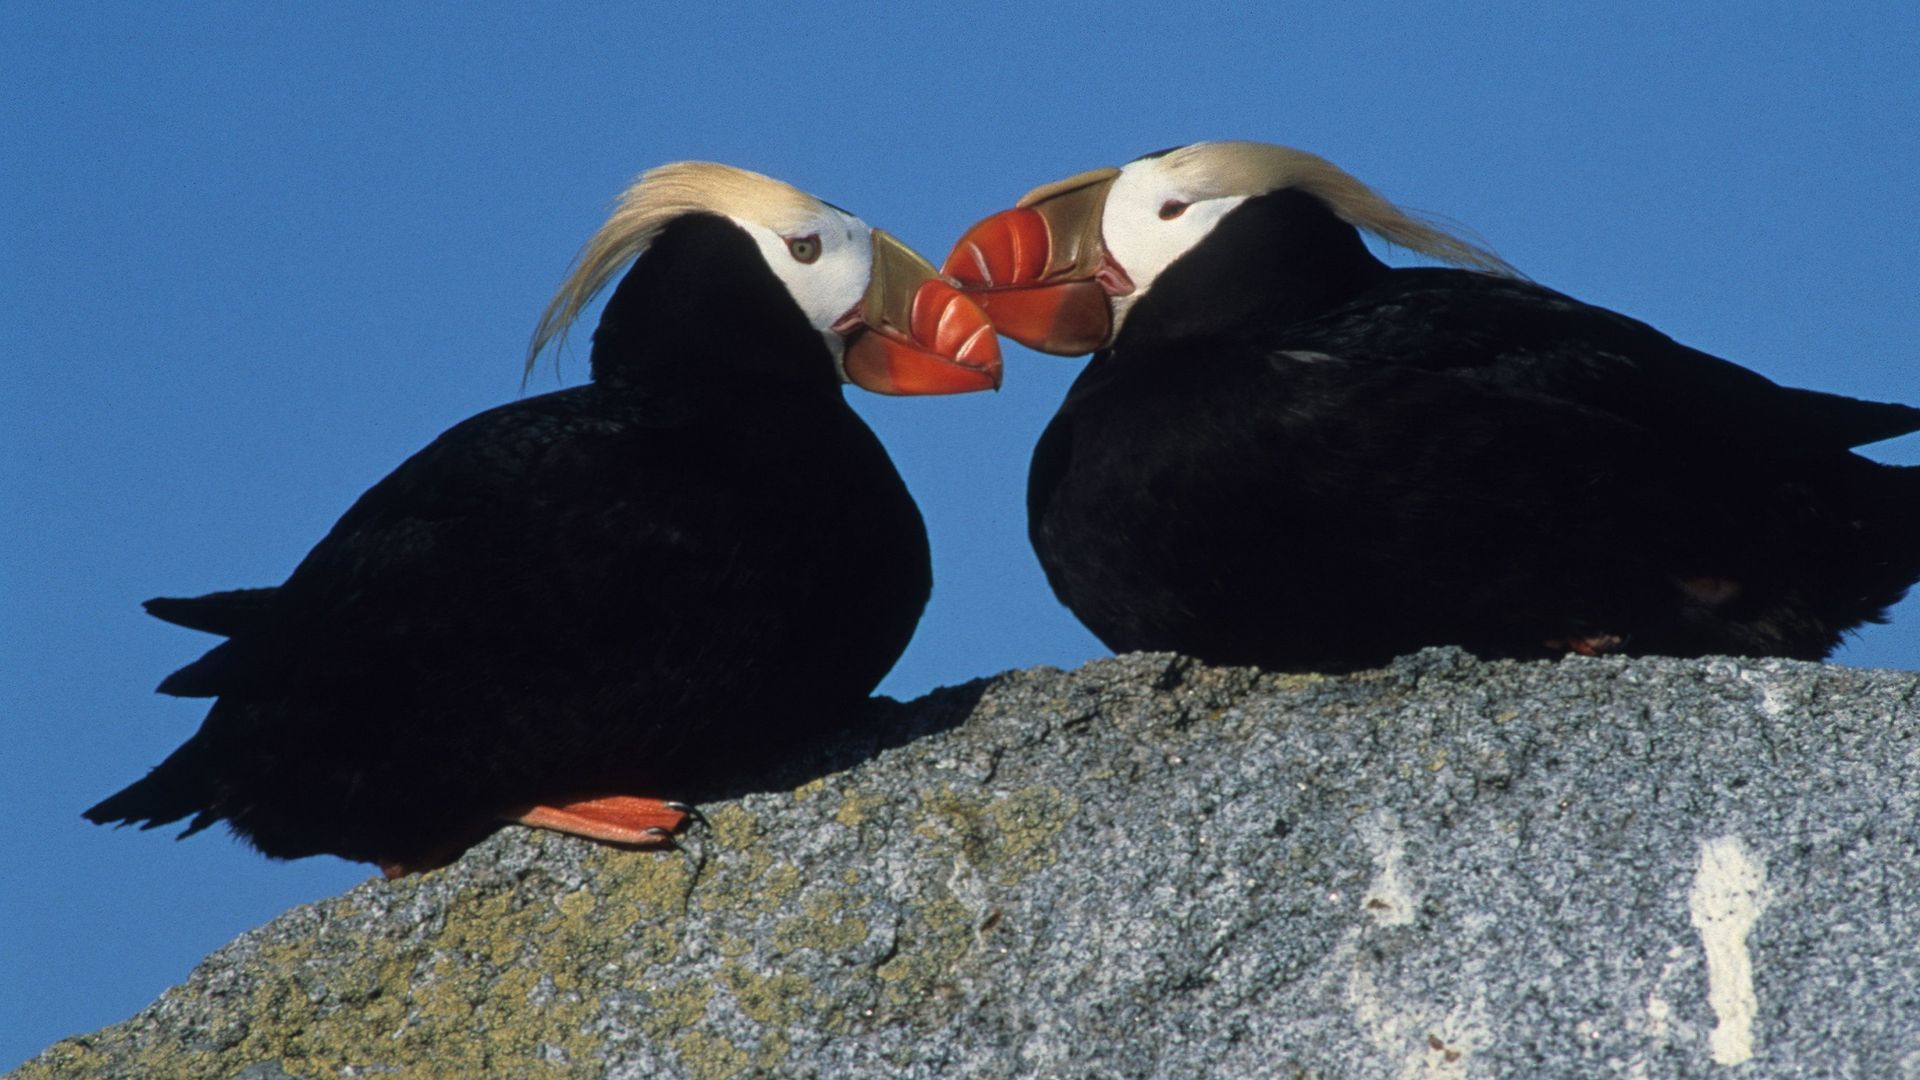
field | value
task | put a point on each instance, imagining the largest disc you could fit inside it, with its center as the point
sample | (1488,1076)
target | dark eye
(1171,209)
(804,248)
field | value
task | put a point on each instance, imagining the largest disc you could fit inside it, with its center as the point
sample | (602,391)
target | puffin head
(885,316)
(1060,271)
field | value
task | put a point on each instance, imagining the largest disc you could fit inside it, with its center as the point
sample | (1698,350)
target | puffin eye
(1171,209)
(804,248)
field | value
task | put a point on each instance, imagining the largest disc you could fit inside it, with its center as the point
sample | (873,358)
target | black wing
(460,555)
(1531,339)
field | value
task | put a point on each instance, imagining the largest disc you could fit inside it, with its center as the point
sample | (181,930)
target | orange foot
(615,819)
(1591,645)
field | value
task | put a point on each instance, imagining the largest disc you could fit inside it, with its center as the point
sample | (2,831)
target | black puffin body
(1293,456)
(700,560)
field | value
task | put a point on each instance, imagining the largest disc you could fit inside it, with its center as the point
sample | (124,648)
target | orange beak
(1041,270)
(914,333)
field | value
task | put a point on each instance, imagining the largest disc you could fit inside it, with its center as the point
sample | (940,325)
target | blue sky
(254,256)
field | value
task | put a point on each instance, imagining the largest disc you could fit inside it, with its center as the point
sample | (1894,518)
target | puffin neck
(1277,259)
(700,308)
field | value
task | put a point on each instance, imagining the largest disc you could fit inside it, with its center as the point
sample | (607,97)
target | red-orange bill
(947,347)
(1002,262)
(1066,319)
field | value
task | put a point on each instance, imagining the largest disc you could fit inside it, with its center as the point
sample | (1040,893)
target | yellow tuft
(657,198)
(1221,169)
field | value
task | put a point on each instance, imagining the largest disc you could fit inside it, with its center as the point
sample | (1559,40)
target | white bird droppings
(1729,895)
(1388,899)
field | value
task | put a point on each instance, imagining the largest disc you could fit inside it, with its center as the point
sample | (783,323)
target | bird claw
(692,812)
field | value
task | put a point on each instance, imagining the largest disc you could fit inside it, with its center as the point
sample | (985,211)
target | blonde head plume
(1251,168)
(658,197)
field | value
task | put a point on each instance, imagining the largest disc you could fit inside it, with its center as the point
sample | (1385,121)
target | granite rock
(1149,867)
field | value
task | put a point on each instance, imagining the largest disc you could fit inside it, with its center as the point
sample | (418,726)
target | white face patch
(1139,234)
(836,278)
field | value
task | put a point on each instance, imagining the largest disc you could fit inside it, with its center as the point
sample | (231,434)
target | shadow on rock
(886,725)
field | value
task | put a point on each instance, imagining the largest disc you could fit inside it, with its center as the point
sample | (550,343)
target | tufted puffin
(1286,453)
(567,610)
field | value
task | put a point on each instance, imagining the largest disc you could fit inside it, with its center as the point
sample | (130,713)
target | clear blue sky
(254,256)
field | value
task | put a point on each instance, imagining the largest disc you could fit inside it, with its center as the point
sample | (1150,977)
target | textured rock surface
(1149,868)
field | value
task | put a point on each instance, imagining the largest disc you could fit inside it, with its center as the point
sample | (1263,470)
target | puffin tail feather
(178,786)
(228,613)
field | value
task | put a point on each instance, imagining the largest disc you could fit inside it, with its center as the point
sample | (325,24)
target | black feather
(699,562)
(225,613)
(1296,457)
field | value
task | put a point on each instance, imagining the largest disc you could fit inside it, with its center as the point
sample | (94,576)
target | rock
(1149,867)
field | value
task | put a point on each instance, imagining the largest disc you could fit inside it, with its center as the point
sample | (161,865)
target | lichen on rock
(1152,867)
